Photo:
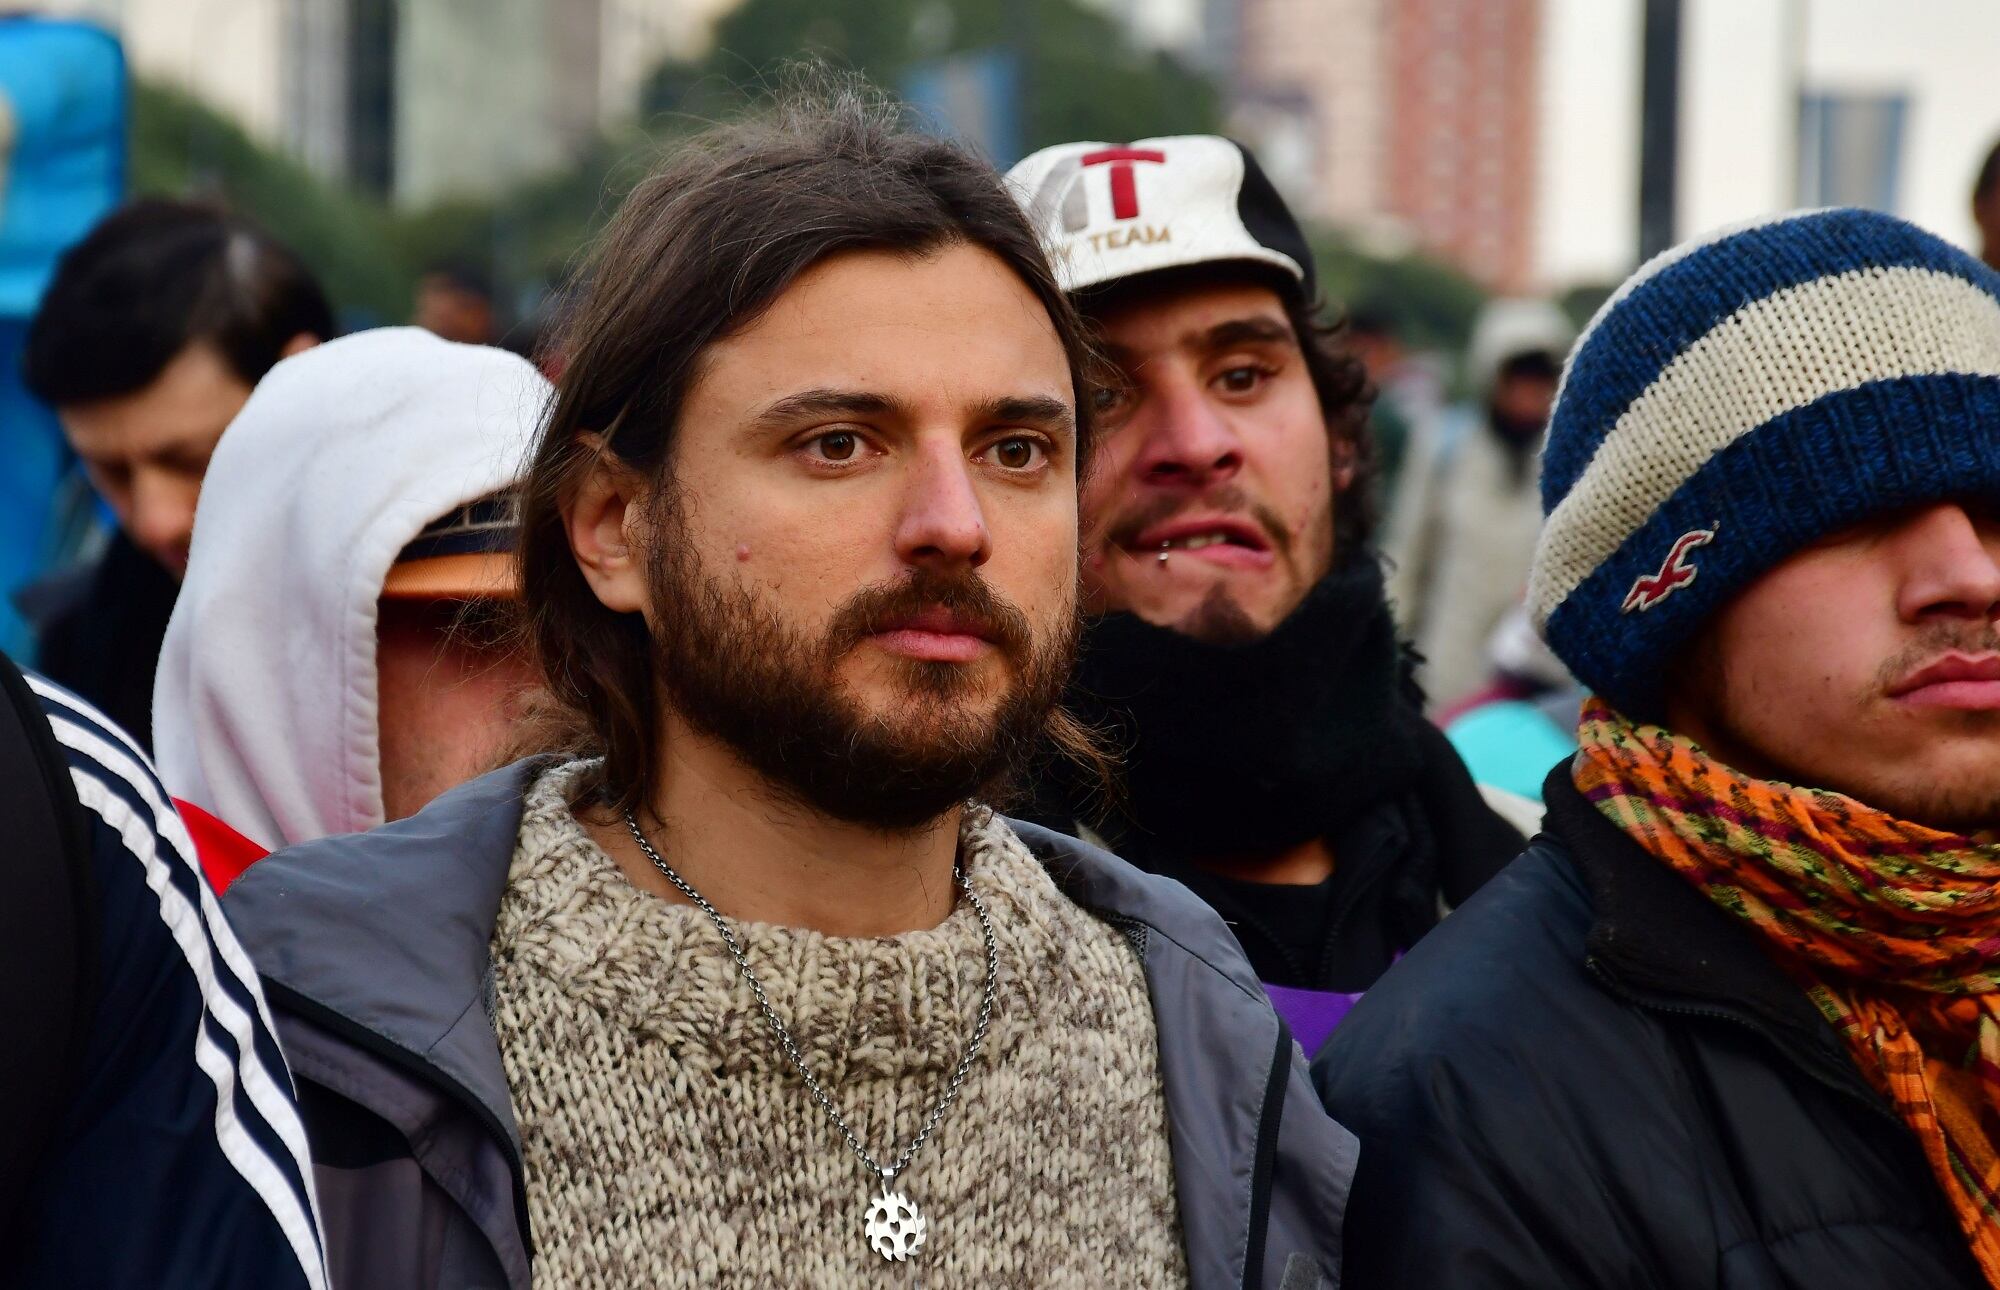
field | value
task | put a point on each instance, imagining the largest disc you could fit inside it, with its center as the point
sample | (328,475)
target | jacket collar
(1665,945)
(389,930)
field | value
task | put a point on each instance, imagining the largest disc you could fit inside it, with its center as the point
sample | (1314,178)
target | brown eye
(838,446)
(1240,380)
(1015,454)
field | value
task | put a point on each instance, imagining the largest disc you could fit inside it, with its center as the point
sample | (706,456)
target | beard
(736,670)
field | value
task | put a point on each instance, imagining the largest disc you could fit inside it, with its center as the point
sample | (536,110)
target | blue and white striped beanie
(1740,398)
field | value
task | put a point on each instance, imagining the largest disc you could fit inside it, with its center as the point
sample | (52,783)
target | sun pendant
(895,1226)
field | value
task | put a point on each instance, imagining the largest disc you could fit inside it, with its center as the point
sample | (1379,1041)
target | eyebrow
(1038,410)
(1254,330)
(830,402)
(1241,331)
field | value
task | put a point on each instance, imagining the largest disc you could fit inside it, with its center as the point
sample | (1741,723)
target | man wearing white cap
(338,656)
(1243,649)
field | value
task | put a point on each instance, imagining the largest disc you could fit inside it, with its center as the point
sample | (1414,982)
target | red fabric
(224,853)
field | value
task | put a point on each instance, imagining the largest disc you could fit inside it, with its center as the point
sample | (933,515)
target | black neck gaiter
(1249,749)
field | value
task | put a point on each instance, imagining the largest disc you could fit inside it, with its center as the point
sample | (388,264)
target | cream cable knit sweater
(668,1144)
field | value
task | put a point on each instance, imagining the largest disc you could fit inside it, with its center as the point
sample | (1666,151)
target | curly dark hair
(154,277)
(1346,397)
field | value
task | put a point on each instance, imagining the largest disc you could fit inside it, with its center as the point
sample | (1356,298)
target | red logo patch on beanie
(1650,589)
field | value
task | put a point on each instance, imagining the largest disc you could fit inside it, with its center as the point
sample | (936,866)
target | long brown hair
(699,250)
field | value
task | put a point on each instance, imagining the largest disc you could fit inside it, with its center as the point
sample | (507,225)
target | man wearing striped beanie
(1735,1018)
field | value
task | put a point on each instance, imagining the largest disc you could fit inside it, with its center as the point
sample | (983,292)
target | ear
(602,520)
(1343,466)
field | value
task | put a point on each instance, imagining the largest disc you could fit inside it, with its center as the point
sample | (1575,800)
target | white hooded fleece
(265,710)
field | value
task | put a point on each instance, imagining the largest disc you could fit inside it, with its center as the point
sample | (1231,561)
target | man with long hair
(766,993)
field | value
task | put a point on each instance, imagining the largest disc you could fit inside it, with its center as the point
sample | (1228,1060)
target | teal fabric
(1510,745)
(62,87)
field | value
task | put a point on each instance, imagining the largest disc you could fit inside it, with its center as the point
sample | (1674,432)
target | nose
(942,524)
(1952,566)
(1187,442)
(161,518)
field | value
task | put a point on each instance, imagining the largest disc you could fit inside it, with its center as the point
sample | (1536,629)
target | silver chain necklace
(893,1225)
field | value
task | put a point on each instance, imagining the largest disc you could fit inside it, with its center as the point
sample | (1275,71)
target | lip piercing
(1163,555)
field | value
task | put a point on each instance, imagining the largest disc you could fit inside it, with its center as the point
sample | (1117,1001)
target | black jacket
(1249,748)
(1399,861)
(1592,1077)
(148,1131)
(99,628)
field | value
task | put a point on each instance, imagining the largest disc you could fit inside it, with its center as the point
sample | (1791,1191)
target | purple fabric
(1312,1014)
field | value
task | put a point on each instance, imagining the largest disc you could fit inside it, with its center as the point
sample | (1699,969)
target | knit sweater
(667,1142)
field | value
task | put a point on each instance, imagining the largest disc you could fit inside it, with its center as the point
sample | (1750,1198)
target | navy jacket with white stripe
(180,1159)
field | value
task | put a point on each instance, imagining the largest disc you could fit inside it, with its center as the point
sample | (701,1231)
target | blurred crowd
(938,727)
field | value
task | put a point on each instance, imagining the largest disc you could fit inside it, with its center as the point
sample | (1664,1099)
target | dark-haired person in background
(149,340)
(1279,761)
(455,301)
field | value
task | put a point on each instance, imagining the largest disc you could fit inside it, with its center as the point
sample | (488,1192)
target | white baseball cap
(1108,211)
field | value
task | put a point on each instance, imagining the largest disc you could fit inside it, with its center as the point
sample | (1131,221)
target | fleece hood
(265,708)
(1509,328)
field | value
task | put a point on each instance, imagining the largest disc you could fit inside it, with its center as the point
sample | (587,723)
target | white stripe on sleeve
(204,937)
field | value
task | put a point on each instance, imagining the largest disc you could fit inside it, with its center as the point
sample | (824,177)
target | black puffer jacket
(1591,1077)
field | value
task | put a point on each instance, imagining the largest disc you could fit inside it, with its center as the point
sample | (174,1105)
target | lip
(934,636)
(1244,545)
(1968,682)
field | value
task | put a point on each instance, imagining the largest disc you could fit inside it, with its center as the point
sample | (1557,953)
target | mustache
(963,595)
(1938,638)
(1124,529)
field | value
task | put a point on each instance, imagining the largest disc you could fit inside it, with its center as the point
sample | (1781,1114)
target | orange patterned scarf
(1893,929)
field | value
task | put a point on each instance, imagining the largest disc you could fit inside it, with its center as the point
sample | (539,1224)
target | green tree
(1432,304)
(1081,77)
(182,148)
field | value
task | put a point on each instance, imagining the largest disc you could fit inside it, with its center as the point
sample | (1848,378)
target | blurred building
(1414,120)
(1784,103)
(1503,135)
(1460,161)
(419,100)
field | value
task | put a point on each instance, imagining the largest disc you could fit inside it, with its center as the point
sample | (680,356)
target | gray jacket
(374,947)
